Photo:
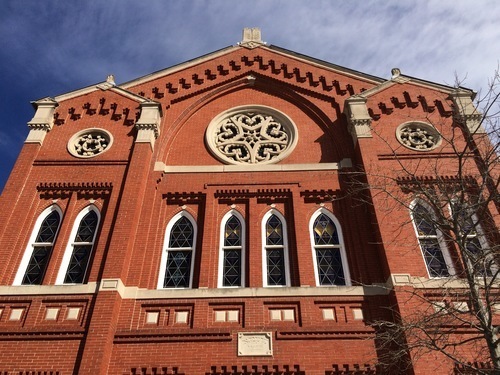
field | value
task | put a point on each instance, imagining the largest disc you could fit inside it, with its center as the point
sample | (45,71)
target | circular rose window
(251,135)
(418,136)
(89,143)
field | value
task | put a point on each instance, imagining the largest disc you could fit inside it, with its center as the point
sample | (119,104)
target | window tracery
(418,136)
(275,250)
(251,135)
(232,250)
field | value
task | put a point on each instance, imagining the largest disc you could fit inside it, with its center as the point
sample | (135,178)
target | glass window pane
(78,264)
(37,265)
(434,258)
(48,229)
(330,271)
(87,228)
(274,231)
(275,267)
(423,221)
(181,234)
(232,268)
(325,232)
(232,233)
(178,269)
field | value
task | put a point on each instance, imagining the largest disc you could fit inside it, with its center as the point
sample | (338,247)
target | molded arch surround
(37,254)
(178,254)
(328,251)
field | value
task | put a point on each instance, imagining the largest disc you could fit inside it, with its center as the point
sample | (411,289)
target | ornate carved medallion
(89,143)
(251,135)
(418,136)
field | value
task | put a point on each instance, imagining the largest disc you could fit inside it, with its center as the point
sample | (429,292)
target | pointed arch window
(76,259)
(37,255)
(177,259)
(328,250)
(475,243)
(436,256)
(232,253)
(275,250)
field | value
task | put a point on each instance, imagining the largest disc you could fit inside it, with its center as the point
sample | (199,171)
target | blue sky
(54,46)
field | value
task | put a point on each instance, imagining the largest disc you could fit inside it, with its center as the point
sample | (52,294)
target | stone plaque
(255,344)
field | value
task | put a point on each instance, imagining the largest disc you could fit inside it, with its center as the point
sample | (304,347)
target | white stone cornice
(358,117)
(465,111)
(43,121)
(148,125)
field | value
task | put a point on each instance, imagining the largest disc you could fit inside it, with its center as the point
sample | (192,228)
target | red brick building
(197,220)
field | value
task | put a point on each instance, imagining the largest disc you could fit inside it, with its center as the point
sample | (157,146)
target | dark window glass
(275,252)
(178,268)
(231,273)
(82,248)
(328,254)
(42,249)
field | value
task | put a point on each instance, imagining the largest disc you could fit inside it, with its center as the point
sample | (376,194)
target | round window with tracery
(251,135)
(89,143)
(418,136)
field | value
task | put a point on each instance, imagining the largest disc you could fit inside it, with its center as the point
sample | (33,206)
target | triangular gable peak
(404,92)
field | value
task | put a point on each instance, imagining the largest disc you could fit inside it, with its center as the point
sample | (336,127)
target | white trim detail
(439,237)
(72,242)
(241,248)
(166,249)
(340,246)
(283,247)
(32,240)
(89,143)
(161,167)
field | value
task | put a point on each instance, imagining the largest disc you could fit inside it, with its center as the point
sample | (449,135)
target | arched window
(232,251)
(477,251)
(37,254)
(76,258)
(176,267)
(275,250)
(330,265)
(434,251)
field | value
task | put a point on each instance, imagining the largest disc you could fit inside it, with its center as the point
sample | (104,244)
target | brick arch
(272,87)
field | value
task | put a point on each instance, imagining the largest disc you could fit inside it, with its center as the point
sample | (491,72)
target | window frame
(242,248)
(63,269)
(166,249)
(340,246)
(439,236)
(265,247)
(28,252)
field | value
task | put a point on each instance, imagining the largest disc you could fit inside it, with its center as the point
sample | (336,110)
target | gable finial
(251,37)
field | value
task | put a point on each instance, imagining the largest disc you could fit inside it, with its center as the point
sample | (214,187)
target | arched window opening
(429,241)
(177,259)
(275,250)
(76,260)
(232,251)
(328,249)
(40,248)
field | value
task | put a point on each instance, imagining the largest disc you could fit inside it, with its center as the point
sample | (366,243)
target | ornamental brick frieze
(256,369)
(320,196)
(352,369)
(184,198)
(262,195)
(435,183)
(207,78)
(407,101)
(153,370)
(85,190)
(110,109)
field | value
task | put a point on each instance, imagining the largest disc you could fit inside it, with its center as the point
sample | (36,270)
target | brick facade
(118,321)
